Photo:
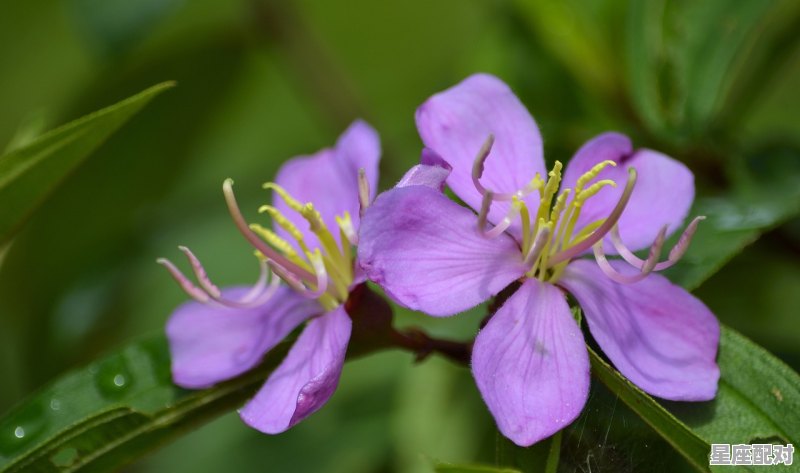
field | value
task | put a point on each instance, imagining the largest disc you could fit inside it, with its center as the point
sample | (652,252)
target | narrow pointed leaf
(29,173)
(758,401)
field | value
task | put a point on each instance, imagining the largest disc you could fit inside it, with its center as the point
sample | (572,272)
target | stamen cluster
(550,238)
(324,273)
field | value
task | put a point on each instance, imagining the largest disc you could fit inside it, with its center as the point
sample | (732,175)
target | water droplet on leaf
(113,377)
(22,427)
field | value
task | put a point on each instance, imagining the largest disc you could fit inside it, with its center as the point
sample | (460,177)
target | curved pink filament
(647,266)
(675,254)
(266,250)
(297,285)
(208,293)
(193,291)
(200,273)
(484,213)
(503,225)
(602,230)
(363,192)
(538,246)
(477,172)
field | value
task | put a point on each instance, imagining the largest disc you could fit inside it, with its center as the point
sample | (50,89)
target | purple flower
(529,361)
(224,333)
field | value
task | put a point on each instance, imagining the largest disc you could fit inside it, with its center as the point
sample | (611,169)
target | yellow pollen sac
(345,223)
(290,201)
(558,219)
(273,239)
(283,222)
(331,263)
(279,244)
(561,202)
(592,173)
(592,190)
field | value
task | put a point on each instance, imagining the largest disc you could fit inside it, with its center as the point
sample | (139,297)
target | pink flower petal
(329,179)
(456,122)
(663,194)
(658,335)
(211,344)
(531,364)
(432,172)
(426,252)
(306,379)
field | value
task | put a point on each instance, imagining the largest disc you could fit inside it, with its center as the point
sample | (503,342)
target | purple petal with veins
(658,335)
(329,179)
(456,122)
(306,378)
(531,364)
(211,344)
(427,253)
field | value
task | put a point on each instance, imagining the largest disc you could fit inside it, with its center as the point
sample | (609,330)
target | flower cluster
(528,228)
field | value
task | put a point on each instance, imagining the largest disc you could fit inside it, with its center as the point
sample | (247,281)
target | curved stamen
(259,294)
(318,263)
(647,266)
(193,291)
(477,172)
(680,248)
(513,211)
(266,250)
(538,246)
(345,223)
(208,292)
(601,231)
(363,192)
(200,273)
(287,277)
(675,254)
(292,281)
(484,213)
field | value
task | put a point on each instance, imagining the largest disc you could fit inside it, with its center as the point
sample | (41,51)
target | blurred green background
(714,84)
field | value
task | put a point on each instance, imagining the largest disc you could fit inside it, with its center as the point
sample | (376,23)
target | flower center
(550,237)
(332,263)
(551,231)
(324,273)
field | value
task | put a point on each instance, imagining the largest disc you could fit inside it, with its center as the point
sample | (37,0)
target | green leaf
(28,174)
(680,436)
(758,398)
(758,401)
(764,195)
(684,59)
(106,415)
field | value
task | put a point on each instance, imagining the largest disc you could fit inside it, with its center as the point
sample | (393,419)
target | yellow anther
(345,223)
(554,179)
(592,190)
(279,244)
(550,188)
(592,173)
(526,224)
(273,240)
(282,221)
(313,217)
(561,203)
(537,182)
(293,203)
